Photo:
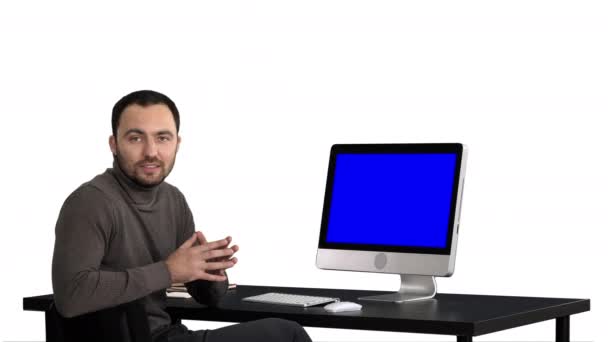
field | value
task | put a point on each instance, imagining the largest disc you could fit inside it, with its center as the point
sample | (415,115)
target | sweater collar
(139,195)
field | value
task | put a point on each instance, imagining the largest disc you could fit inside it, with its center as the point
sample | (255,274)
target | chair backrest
(125,323)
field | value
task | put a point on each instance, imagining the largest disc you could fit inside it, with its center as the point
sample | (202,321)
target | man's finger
(188,243)
(201,237)
(222,265)
(219,244)
(234,248)
(217,253)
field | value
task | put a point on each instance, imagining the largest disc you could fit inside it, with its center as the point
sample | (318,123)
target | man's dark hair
(143,98)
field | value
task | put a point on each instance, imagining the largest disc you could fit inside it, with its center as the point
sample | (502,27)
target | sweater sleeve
(203,291)
(82,236)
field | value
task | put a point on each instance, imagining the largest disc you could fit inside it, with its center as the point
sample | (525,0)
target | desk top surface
(452,314)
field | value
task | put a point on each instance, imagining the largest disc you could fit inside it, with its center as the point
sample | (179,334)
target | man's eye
(135,139)
(164,138)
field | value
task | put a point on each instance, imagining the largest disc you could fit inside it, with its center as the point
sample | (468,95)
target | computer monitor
(393,208)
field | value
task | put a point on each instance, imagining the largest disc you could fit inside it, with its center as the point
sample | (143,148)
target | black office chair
(124,323)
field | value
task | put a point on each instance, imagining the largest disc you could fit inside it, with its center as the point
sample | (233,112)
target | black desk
(464,316)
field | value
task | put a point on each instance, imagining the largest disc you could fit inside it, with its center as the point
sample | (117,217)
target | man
(128,235)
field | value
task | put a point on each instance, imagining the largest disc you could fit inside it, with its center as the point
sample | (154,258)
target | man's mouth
(149,167)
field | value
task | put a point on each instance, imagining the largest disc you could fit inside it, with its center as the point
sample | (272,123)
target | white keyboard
(290,299)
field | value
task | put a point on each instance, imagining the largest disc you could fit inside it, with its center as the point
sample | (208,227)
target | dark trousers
(263,330)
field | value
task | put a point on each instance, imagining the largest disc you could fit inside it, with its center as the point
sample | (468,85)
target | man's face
(146,143)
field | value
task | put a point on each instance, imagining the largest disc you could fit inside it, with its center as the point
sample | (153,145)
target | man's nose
(150,149)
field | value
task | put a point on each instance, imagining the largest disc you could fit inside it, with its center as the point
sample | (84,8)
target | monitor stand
(413,287)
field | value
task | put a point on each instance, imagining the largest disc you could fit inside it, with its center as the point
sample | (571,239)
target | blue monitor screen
(392,199)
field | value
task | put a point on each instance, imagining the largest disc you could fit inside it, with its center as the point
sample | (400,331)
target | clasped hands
(198,259)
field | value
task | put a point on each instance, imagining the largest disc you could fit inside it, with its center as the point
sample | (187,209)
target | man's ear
(179,140)
(112,142)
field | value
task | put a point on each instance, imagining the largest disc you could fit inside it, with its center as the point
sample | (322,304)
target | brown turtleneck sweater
(111,241)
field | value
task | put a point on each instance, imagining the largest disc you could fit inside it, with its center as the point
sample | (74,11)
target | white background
(265,88)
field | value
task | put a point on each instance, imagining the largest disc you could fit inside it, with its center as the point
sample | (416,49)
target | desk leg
(464,339)
(50,325)
(562,329)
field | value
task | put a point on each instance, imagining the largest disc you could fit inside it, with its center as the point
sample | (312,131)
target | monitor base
(413,287)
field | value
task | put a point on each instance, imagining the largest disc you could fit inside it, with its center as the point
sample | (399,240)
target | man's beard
(131,173)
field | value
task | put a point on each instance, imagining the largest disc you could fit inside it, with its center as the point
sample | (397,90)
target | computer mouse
(342,306)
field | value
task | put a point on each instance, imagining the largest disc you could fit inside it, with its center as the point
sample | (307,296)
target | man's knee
(280,323)
(289,328)
(263,330)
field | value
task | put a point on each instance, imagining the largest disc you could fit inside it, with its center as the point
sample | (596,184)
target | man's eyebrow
(133,130)
(164,132)
(139,131)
